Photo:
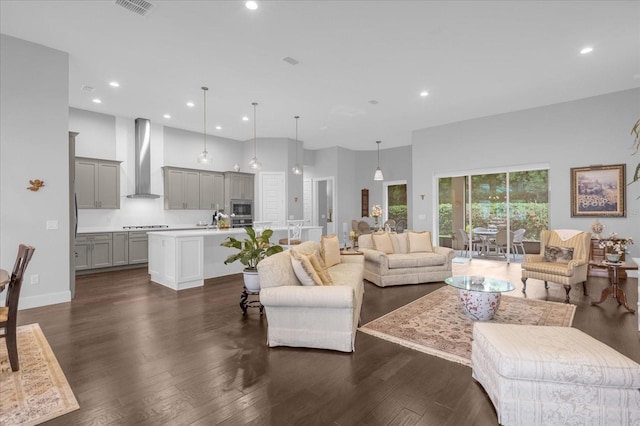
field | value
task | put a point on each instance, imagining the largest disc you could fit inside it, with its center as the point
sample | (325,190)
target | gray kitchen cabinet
(211,190)
(120,248)
(97,183)
(138,247)
(94,251)
(238,186)
(181,189)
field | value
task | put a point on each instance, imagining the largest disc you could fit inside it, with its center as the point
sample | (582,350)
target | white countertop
(196,229)
(91,230)
(213,231)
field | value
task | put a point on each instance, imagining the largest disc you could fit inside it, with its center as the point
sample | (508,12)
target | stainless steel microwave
(242,208)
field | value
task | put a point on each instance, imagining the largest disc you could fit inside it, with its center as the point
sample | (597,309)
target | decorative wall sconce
(295,199)
(35,185)
(422,196)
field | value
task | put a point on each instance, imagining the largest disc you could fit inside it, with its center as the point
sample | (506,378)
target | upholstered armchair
(563,259)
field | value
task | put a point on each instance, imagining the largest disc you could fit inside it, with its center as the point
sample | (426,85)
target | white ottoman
(538,375)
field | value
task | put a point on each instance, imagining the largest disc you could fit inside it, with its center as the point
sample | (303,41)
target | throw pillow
(382,242)
(303,269)
(558,254)
(320,268)
(419,242)
(330,249)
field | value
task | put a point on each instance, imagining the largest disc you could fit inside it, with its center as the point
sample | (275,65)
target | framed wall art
(598,191)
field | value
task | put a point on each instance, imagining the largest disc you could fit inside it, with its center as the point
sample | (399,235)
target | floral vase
(613,257)
(376,223)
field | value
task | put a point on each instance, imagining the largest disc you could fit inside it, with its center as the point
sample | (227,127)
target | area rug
(436,323)
(37,392)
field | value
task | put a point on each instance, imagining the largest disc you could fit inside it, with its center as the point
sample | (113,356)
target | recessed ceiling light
(586,50)
(424,93)
(167,116)
(114,84)
(190,104)
(245,118)
(218,127)
(251,5)
(97,101)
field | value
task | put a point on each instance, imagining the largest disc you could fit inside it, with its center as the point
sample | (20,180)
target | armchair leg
(567,288)
(584,288)
(524,284)
(546,285)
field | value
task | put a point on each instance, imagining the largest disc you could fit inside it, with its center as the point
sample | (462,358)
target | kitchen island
(184,259)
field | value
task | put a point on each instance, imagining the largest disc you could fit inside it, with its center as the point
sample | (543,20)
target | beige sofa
(401,264)
(315,316)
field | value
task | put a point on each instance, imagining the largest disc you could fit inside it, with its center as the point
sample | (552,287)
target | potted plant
(635,132)
(251,251)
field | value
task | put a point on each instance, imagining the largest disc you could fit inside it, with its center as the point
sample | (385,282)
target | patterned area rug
(436,323)
(37,392)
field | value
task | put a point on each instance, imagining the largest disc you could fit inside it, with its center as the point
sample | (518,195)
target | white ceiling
(475,58)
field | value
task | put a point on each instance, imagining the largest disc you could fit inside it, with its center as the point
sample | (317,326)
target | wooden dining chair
(9,313)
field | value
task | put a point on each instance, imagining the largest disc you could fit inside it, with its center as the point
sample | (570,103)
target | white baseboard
(44,300)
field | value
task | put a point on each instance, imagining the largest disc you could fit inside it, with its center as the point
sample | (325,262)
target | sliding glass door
(506,200)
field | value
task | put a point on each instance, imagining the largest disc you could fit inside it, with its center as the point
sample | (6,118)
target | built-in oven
(239,222)
(242,208)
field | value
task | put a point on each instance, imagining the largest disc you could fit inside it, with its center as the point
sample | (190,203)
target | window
(511,199)
(395,207)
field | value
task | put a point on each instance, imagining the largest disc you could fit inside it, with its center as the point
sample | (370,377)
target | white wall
(585,132)
(34,144)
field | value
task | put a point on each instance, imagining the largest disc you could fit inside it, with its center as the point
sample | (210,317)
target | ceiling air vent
(139,7)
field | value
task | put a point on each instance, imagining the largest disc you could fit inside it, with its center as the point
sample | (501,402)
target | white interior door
(307,200)
(272,198)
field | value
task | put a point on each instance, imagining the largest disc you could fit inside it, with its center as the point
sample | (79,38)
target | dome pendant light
(254,163)
(297,170)
(203,157)
(378,174)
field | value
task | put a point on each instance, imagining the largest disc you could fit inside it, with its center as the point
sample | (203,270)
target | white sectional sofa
(312,316)
(399,262)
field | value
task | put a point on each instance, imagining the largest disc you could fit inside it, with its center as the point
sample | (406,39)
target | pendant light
(378,174)
(297,170)
(254,163)
(203,157)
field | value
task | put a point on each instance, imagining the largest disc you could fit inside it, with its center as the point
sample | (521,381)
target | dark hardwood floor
(136,352)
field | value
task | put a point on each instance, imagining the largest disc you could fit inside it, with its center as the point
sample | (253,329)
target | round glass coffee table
(480,296)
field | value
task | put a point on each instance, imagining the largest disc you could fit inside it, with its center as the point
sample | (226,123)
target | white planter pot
(251,280)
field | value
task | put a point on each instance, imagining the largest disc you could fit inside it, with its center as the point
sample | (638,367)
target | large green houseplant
(635,132)
(251,251)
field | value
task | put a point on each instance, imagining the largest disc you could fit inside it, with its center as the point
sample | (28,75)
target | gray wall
(34,144)
(585,132)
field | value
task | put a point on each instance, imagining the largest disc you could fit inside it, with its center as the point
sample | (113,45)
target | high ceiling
(362,65)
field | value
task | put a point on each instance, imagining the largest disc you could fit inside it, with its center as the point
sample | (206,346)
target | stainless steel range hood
(143,160)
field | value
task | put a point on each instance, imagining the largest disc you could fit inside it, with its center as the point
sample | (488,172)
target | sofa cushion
(399,242)
(558,254)
(303,269)
(553,268)
(415,260)
(320,268)
(330,249)
(382,242)
(420,242)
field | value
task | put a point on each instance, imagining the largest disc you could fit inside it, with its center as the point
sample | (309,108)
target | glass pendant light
(378,174)
(297,170)
(203,157)
(254,163)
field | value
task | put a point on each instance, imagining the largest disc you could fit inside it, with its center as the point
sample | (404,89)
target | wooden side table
(349,252)
(597,256)
(614,290)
